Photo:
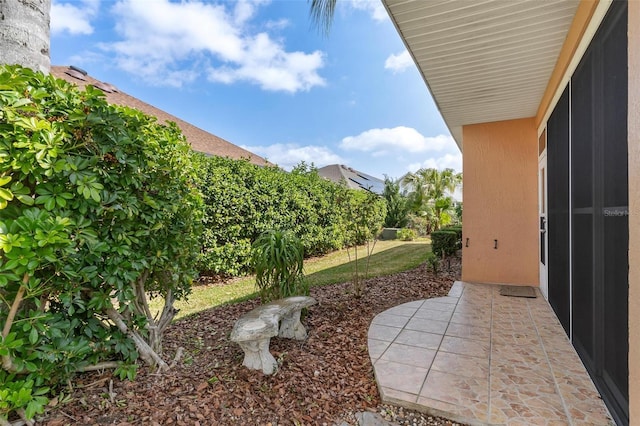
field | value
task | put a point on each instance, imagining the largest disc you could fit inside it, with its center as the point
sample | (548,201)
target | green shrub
(406,234)
(277,258)
(433,263)
(458,230)
(444,243)
(98,210)
(420,224)
(243,200)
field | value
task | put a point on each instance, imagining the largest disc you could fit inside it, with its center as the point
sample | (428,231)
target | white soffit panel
(484,60)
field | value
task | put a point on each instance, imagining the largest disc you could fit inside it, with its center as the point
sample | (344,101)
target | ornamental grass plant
(277,258)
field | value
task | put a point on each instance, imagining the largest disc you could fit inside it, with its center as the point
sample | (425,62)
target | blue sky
(258,75)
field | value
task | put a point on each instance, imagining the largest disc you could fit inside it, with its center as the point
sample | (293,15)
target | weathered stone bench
(254,330)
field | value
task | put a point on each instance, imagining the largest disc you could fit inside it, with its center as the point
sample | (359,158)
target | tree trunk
(24,33)
(147,354)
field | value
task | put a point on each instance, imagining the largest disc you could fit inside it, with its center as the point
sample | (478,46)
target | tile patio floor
(481,358)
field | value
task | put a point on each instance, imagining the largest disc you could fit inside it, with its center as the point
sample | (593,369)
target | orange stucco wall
(634,218)
(500,167)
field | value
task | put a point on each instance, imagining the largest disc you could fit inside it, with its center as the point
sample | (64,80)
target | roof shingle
(200,140)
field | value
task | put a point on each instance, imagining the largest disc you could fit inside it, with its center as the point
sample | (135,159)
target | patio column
(500,192)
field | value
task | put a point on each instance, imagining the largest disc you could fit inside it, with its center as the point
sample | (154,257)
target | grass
(389,257)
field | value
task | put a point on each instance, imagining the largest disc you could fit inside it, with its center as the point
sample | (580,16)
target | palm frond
(322,12)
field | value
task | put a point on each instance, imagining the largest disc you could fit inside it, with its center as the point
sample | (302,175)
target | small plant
(277,257)
(365,215)
(406,234)
(433,263)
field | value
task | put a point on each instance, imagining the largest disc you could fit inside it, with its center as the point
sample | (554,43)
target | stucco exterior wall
(634,218)
(500,167)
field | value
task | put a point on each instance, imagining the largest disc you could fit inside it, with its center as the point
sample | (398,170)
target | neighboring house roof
(484,61)
(353,178)
(200,140)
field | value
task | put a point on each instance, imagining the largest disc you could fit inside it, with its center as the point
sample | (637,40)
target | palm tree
(430,191)
(397,205)
(24,33)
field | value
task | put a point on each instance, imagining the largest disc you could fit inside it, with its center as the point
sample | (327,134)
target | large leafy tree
(98,210)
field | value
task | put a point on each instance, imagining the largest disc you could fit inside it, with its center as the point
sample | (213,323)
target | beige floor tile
(527,410)
(497,360)
(519,354)
(427,325)
(515,338)
(410,355)
(467,366)
(445,299)
(427,313)
(414,304)
(434,305)
(401,377)
(467,347)
(475,412)
(579,395)
(470,319)
(475,302)
(396,396)
(467,331)
(521,379)
(500,326)
(401,310)
(390,320)
(376,348)
(454,389)
(456,289)
(419,339)
(382,332)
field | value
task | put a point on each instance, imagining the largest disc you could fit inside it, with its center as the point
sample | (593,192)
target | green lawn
(388,258)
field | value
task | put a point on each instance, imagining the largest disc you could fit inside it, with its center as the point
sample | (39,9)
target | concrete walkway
(481,358)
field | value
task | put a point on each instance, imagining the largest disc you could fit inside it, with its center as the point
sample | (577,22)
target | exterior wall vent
(78,69)
(104,87)
(75,74)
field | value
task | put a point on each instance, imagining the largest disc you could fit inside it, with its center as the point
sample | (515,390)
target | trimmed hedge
(458,230)
(244,200)
(444,242)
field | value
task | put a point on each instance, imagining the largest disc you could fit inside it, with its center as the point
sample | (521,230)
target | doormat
(518,291)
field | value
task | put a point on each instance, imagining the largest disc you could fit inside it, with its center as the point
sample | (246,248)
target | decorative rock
(254,330)
(367,418)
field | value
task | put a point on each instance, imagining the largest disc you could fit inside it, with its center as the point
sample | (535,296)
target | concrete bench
(254,330)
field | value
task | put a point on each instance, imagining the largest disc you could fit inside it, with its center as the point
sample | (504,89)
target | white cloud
(74,18)
(171,43)
(374,7)
(447,161)
(381,141)
(398,63)
(269,66)
(278,24)
(289,155)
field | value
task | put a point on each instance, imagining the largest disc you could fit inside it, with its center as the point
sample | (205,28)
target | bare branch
(14,306)
(99,366)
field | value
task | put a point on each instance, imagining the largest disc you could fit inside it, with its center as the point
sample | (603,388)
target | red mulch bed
(321,380)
